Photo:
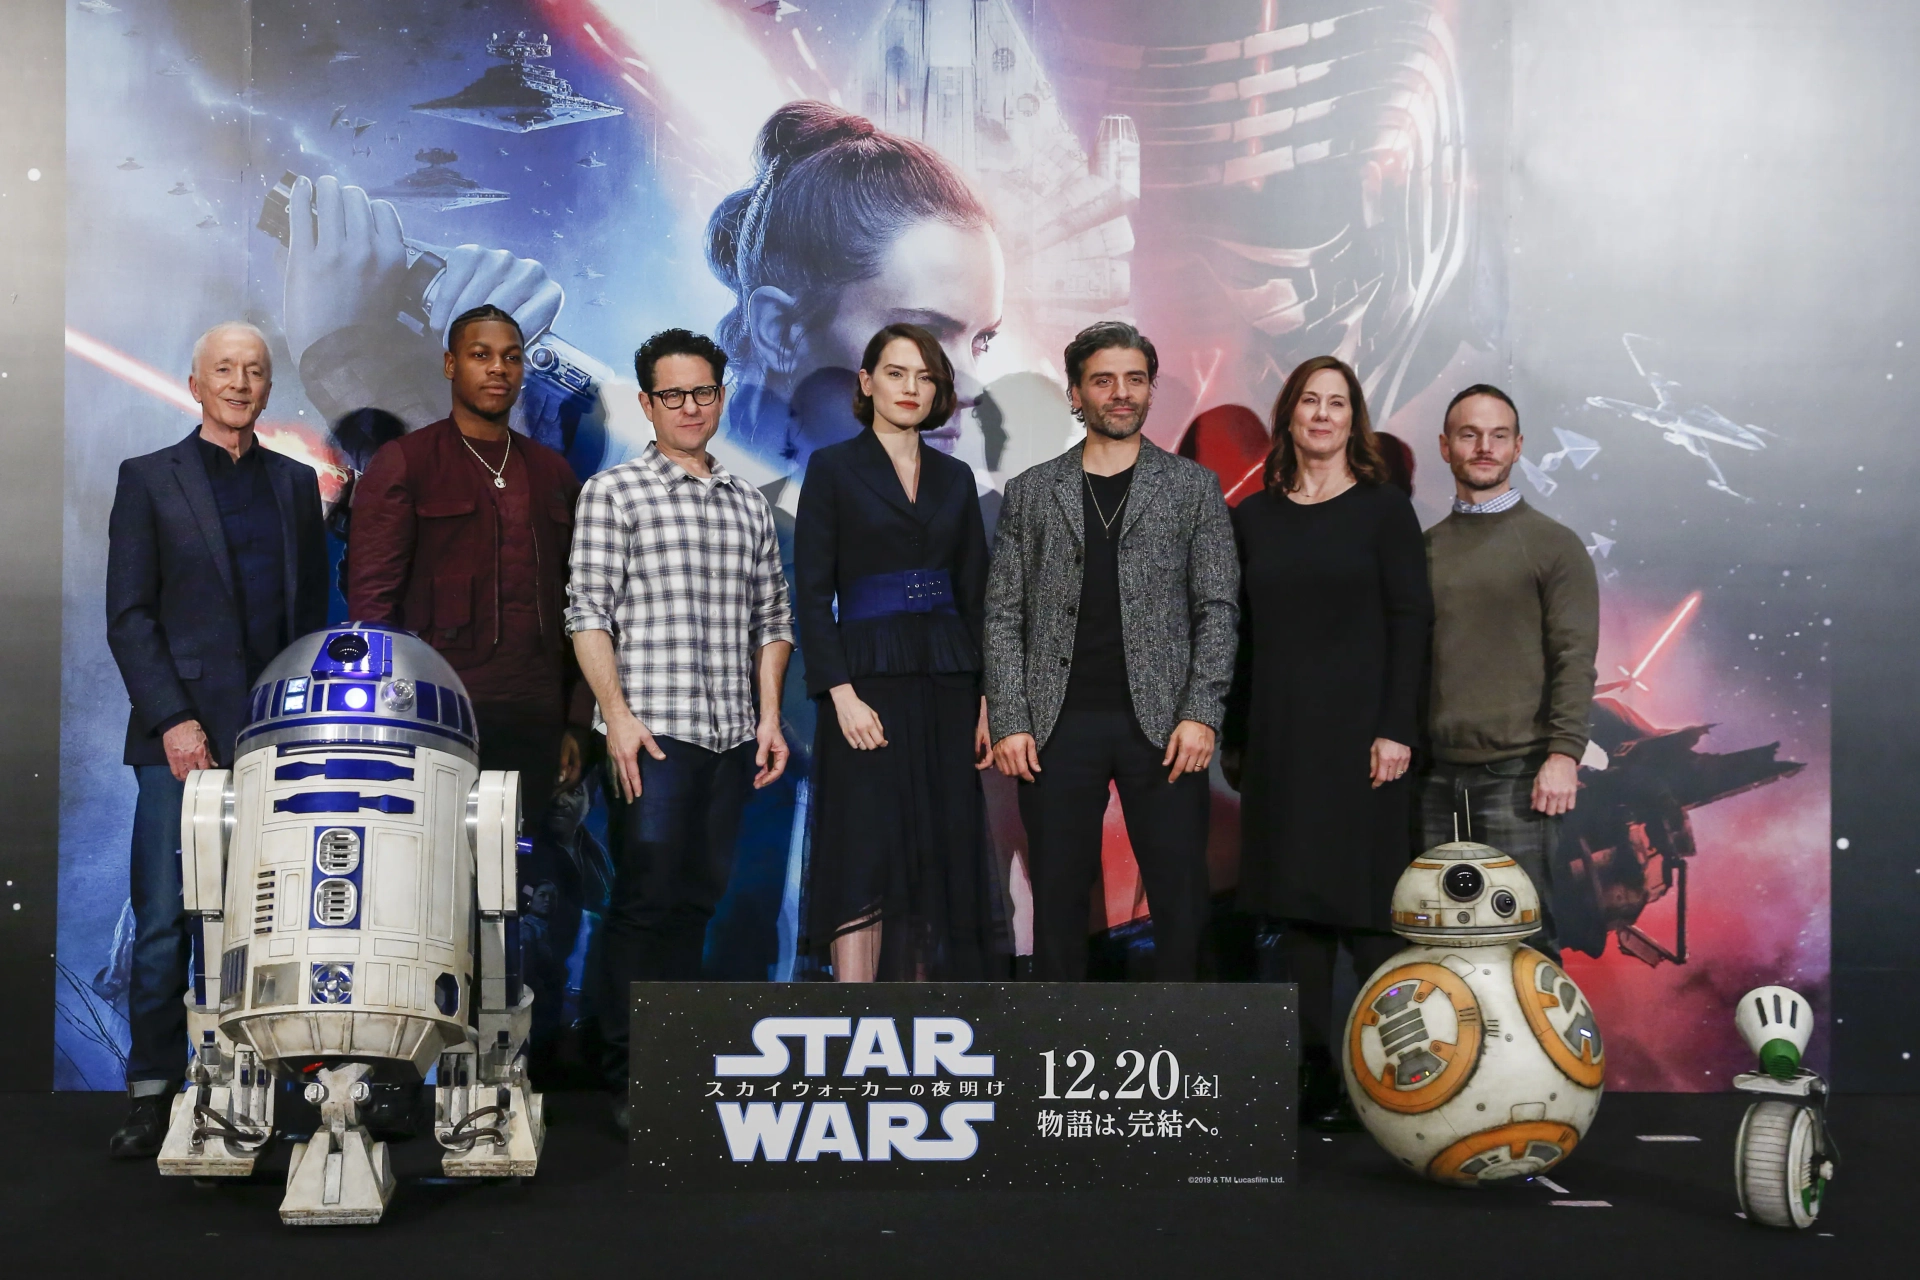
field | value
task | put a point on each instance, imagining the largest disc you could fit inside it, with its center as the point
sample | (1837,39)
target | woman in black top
(890,567)
(1335,616)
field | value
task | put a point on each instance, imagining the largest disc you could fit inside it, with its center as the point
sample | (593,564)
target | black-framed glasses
(674,397)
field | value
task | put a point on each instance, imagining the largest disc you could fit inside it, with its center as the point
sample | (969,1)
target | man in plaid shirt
(678,612)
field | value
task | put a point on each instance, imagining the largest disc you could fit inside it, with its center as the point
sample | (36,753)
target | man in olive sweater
(1516,624)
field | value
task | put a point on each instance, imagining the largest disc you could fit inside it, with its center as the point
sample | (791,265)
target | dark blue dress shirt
(251,519)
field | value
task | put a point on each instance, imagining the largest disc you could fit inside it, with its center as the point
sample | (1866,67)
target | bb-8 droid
(1471,1058)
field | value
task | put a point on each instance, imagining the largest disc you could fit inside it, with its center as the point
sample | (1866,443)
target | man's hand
(1189,749)
(345,261)
(1387,760)
(474,276)
(1017,756)
(186,745)
(982,740)
(770,756)
(625,738)
(570,757)
(1556,785)
(859,723)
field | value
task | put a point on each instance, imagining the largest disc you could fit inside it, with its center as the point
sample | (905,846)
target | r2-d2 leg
(486,1114)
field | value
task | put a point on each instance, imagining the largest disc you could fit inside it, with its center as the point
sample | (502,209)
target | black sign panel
(750,1086)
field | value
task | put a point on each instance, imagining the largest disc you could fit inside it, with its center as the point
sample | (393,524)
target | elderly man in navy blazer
(216,560)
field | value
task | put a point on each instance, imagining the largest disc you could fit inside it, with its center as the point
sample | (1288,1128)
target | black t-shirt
(1099,675)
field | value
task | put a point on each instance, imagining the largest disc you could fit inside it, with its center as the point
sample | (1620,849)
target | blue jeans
(672,855)
(162,943)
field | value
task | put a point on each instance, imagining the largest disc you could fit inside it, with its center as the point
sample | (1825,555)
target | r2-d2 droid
(1472,1059)
(343,874)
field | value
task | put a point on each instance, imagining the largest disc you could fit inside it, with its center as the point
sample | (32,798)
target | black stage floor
(1669,1210)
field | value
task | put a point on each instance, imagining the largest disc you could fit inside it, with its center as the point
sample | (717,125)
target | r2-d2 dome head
(1465,894)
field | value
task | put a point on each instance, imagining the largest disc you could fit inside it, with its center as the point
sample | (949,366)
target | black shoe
(1335,1117)
(144,1128)
(623,1117)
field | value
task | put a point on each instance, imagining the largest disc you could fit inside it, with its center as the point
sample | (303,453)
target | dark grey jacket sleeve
(1213,586)
(135,635)
(1008,711)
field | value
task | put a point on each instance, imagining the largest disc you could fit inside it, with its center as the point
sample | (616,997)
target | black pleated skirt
(899,835)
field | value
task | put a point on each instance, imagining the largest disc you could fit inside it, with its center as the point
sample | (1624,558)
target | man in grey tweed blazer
(1112,616)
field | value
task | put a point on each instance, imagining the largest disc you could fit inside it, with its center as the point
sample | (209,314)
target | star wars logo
(819,1126)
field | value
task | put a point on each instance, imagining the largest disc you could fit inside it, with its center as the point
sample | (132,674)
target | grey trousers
(1493,804)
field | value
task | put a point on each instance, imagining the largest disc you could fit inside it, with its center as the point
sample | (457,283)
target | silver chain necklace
(1106,525)
(499,477)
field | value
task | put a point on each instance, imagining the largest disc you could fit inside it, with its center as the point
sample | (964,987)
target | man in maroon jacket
(460,534)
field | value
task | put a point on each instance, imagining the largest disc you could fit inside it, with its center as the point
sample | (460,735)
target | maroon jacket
(424,547)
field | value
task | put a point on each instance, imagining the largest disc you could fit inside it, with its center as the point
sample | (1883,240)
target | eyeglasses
(674,397)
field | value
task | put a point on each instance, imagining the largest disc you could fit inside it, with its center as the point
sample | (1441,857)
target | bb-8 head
(1472,1059)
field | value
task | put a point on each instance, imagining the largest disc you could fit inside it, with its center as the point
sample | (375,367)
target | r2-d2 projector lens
(1463,882)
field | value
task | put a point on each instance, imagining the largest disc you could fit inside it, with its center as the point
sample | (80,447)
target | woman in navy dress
(890,567)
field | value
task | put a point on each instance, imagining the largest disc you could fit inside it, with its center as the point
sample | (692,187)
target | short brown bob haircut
(1363,450)
(939,368)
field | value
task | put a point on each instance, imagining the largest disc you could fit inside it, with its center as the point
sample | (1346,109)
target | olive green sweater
(1516,623)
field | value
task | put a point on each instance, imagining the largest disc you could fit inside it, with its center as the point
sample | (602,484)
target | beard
(1122,430)
(1466,478)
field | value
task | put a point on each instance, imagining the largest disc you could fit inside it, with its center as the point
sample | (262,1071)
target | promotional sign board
(962,1084)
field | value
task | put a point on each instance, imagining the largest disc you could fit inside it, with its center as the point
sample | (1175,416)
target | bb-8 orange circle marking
(1460,1057)
(1588,1067)
(1516,1138)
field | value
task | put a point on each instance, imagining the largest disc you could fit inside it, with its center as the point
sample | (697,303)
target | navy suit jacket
(172,622)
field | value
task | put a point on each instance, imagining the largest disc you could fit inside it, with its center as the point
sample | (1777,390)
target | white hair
(231,326)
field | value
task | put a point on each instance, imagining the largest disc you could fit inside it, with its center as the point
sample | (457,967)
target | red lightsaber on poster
(1674,624)
(293,439)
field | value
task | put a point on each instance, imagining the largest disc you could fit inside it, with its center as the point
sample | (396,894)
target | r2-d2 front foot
(340,1176)
(223,1119)
(485,1113)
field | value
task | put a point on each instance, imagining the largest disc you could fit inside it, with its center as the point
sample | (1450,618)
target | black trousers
(1305,953)
(510,738)
(1063,809)
(672,852)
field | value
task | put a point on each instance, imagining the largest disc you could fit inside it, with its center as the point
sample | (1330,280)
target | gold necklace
(499,477)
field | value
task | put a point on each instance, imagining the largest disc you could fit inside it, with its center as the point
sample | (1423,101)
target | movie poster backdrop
(1252,183)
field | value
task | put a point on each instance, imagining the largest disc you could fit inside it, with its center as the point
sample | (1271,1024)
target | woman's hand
(982,741)
(1388,760)
(859,724)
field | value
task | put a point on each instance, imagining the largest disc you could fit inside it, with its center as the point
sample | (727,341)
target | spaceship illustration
(963,77)
(1693,428)
(519,96)
(1574,448)
(1626,844)
(437,185)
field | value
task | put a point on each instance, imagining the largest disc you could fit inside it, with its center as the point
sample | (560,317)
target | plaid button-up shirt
(685,576)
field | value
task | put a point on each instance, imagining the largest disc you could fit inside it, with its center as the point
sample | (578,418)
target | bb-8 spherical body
(1471,1058)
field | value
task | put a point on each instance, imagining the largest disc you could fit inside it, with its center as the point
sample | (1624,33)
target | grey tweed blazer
(1179,595)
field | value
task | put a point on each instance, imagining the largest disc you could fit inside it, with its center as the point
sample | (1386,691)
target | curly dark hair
(1105,335)
(677,342)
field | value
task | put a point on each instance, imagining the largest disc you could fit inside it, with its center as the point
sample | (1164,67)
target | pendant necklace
(499,477)
(1106,525)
